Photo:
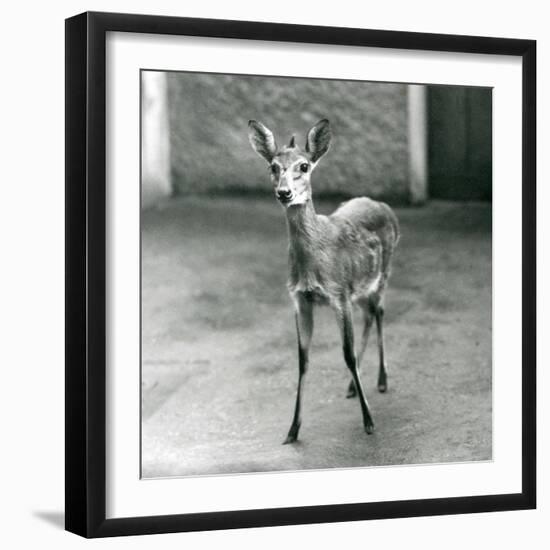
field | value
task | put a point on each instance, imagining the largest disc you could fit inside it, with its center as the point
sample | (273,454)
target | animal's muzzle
(284,195)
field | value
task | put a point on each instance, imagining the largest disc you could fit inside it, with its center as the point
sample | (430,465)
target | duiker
(335,260)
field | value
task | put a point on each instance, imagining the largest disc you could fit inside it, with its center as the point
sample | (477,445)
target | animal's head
(291,167)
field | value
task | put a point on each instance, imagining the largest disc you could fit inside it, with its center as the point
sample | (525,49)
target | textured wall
(210,149)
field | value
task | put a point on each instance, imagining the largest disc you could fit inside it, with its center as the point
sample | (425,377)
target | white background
(31,299)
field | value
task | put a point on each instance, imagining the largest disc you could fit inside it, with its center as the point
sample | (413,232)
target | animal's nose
(284,194)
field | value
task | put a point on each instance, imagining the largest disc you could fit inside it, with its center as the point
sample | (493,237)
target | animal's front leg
(304,329)
(345,322)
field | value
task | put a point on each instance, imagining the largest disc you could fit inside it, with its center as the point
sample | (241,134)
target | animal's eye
(304,167)
(274,168)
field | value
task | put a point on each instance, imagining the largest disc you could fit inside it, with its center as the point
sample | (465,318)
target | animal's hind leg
(345,323)
(368,318)
(383,369)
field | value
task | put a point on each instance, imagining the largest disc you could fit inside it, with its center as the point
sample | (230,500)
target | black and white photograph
(274,275)
(316,274)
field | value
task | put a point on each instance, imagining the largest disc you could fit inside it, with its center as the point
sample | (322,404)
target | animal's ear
(318,140)
(262,140)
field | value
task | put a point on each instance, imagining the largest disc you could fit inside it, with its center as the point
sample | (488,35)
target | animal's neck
(305,248)
(302,224)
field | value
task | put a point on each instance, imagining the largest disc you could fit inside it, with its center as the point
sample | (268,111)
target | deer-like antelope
(334,260)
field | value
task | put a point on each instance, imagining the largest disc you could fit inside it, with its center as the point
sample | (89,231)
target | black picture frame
(85,455)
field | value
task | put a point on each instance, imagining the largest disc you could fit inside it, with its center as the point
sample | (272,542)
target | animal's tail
(392,238)
(394,222)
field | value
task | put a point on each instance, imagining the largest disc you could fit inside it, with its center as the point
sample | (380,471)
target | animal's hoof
(369,428)
(352,392)
(292,434)
(382,380)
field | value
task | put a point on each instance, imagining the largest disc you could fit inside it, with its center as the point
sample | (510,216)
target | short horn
(292,142)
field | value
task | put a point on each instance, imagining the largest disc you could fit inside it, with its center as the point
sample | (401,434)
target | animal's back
(376,217)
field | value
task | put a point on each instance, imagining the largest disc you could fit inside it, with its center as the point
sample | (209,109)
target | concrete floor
(219,354)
